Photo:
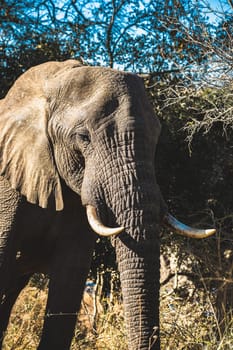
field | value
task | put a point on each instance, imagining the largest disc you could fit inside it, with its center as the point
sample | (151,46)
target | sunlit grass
(186,324)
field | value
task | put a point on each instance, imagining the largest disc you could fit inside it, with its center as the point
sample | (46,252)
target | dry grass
(186,324)
(27,320)
(188,319)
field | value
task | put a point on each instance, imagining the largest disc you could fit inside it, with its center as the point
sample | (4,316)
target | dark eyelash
(84,137)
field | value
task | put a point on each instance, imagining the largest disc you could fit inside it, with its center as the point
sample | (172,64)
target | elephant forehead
(35,80)
(93,86)
(95,94)
(82,83)
(100,75)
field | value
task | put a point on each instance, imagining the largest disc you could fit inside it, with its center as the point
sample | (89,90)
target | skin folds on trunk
(138,264)
(137,253)
(127,187)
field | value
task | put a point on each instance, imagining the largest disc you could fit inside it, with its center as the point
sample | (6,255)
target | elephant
(77,150)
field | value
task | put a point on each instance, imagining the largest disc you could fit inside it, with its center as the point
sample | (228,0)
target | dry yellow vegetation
(187,323)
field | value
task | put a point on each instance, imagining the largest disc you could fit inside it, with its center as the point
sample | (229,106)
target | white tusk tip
(97,225)
(185,230)
(210,232)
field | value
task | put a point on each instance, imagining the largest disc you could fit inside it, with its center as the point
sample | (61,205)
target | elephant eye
(85,137)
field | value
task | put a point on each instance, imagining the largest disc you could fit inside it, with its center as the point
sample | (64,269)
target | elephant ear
(26,156)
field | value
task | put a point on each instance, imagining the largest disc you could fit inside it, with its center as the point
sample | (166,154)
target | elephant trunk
(137,253)
(139,275)
(127,188)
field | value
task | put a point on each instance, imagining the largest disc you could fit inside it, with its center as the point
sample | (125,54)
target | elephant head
(93,129)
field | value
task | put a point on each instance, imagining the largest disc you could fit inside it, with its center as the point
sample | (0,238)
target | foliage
(174,37)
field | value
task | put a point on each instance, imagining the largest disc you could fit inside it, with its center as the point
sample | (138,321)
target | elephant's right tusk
(97,225)
(185,230)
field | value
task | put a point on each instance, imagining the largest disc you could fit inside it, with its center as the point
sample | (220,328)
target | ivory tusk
(97,225)
(185,230)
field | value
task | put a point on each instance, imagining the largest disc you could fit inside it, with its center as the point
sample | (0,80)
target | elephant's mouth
(168,219)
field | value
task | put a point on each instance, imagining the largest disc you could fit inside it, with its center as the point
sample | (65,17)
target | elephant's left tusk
(185,230)
(97,225)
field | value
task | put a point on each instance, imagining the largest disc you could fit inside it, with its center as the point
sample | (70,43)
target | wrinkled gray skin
(72,135)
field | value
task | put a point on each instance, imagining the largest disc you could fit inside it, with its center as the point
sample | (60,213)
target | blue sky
(219,6)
